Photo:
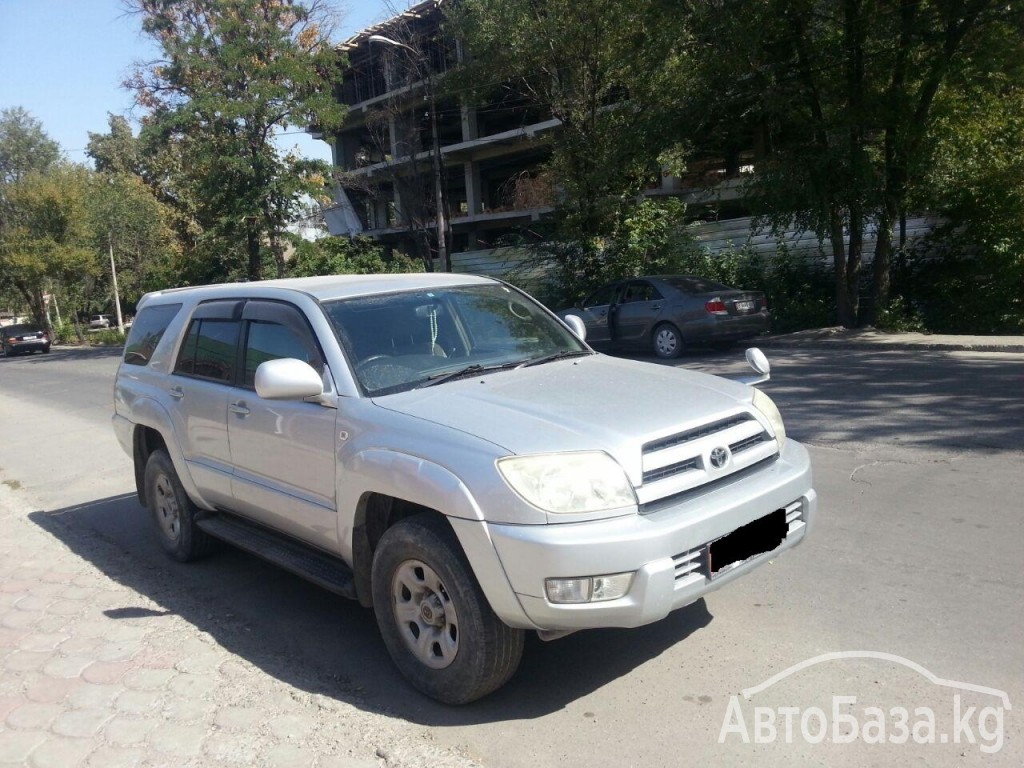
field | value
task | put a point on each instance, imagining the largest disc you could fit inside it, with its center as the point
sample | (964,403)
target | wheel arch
(153,430)
(425,488)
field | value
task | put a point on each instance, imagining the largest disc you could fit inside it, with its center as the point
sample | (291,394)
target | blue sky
(64,60)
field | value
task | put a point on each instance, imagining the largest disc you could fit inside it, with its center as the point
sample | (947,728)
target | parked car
(16,339)
(444,450)
(665,313)
(100,321)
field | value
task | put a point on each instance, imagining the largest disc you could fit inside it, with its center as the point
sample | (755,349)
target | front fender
(429,485)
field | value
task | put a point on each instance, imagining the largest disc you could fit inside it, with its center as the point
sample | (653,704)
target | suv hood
(586,403)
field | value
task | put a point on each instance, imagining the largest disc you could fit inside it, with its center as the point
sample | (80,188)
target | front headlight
(567,483)
(764,404)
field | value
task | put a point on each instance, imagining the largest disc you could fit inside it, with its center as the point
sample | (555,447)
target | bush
(65,333)
(108,337)
(347,256)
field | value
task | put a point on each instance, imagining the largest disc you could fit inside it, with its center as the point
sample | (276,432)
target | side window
(601,296)
(271,341)
(641,292)
(210,350)
(146,332)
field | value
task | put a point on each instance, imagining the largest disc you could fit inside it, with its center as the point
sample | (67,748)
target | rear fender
(147,412)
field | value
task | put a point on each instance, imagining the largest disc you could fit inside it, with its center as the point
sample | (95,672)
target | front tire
(173,511)
(667,342)
(436,623)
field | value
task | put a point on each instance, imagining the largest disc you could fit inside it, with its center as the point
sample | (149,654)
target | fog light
(611,587)
(568,590)
(588,589)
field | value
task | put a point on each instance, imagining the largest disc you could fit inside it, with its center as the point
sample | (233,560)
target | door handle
(176,392)
(239,408)
(656,306)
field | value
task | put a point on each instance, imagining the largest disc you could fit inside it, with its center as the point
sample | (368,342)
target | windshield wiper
(554,356)
(469,370)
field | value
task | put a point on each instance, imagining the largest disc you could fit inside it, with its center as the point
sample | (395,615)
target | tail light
(716,307)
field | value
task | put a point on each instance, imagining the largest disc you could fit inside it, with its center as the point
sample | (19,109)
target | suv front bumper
(667,550)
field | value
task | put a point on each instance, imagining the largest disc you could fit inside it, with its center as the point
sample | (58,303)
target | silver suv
(446,450)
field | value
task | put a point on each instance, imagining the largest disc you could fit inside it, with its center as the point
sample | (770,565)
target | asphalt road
(919,553)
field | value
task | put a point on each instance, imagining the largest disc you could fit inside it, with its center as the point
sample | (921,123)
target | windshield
(398,341)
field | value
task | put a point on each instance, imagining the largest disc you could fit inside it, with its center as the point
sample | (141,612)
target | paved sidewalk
(93,673)
(862,338)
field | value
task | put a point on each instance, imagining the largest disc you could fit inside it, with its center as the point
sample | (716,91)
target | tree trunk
(883,259)
(252,235)
(845,316)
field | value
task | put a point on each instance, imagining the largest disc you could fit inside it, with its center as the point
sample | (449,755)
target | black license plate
(747,541)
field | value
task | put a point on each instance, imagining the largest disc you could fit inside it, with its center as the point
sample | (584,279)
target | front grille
(750,442)
(657,505)
(672,469)
(681,461)
(696,434)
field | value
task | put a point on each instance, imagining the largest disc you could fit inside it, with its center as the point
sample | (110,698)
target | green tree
(347,256)
(46,238)
(608,70)
(127,223)
(234,74)
(24,145)
(840,100)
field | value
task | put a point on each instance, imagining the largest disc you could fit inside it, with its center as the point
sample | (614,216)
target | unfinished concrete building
(405,146)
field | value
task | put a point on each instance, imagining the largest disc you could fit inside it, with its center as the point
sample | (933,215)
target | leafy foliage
(24,146)
(345,256)
(234,73)
(45,237)
(606,69)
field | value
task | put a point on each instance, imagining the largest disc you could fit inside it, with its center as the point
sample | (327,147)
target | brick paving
(93,673)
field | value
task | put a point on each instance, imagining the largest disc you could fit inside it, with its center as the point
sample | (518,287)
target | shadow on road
(922,398)
(323,644)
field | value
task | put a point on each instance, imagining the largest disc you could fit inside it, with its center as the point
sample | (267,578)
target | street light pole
(440,191)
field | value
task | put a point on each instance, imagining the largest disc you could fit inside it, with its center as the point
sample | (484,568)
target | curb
(794,341)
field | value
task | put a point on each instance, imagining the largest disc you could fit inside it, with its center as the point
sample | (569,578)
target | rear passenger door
(283,451)
(203,381)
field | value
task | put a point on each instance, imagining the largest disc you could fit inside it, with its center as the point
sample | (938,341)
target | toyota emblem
(719,457)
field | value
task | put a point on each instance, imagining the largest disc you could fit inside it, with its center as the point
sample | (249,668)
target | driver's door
(283,451)
(596,314)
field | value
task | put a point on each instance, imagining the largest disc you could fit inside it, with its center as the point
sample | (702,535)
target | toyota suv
(447,451)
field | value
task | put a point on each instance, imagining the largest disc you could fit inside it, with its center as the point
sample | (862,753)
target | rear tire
(173,511)
(667,342)
(436,623)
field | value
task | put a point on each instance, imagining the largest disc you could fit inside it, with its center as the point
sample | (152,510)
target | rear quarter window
(146,332)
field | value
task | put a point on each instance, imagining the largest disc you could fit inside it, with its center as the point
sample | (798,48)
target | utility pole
(113,275)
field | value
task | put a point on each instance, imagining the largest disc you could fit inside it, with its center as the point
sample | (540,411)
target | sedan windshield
(399,341)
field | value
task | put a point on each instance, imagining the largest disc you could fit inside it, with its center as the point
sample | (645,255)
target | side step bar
(321,569)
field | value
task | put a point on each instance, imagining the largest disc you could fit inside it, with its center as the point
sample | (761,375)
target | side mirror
(576,326)
(287,379)
(759,362)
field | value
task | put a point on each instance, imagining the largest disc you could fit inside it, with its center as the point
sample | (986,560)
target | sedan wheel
(668,344)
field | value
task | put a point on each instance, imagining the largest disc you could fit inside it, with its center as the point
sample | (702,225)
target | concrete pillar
(470,129)
(474,201)
(345,150)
